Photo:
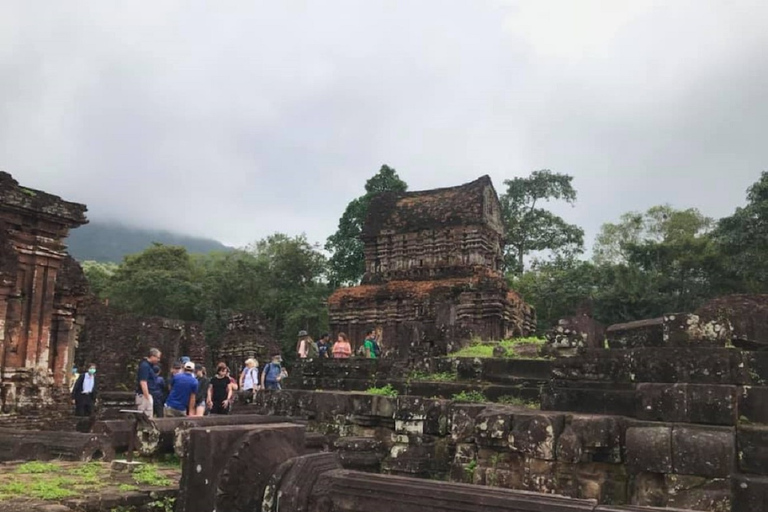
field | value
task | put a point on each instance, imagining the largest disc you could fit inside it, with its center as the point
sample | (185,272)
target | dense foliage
(281,277)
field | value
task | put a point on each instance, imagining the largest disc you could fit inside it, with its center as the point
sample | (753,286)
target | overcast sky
(234,120)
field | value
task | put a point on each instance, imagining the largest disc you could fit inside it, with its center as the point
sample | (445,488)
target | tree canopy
(347,263)
(531,228)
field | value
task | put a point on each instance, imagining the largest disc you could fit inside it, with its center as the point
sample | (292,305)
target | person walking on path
(273,373)
(249,379)
(342,349)
(220,391)
(145,382)
(84,392)
(182,399)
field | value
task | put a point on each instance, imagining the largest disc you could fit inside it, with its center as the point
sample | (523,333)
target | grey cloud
(235,121)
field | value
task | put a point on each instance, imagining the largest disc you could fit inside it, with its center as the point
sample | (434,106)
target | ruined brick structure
(247,336)
(40,290)
(117,342)
(433,273)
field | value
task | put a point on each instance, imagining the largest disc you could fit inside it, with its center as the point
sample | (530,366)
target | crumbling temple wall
(433,276)
(612,459)
(117,342)
(247,335)
(40,291)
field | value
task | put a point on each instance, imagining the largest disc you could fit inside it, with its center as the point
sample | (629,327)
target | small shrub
(433,377)
(387,390)
(515,400)
(470,470)
(149,475)
(36,467)
(469,396)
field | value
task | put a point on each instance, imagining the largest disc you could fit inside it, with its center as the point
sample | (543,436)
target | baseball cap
(189,365)
(303,333)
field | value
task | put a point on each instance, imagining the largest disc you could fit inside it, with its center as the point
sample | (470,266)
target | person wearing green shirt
(369,346)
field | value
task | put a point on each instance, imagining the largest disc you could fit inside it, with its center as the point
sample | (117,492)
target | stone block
(431,413)
(535,434)
(540,476)
(348,491)
(649,449)
(226,464)
(752,441)
(642,333)
(757,368)
(648,490)
(602,437)
(711,404)
(492,427)
(752,408)
(590,400)
(463,421)
(703,451)
(698,493)
(749,493)
(684,365)
(685,329)
(662,402)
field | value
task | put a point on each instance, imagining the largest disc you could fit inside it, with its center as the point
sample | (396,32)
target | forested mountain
(107,241)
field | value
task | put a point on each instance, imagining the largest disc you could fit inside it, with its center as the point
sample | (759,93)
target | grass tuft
(387,390)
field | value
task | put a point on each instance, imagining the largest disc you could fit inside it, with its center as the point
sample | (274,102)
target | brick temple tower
(40,289)
(433,273)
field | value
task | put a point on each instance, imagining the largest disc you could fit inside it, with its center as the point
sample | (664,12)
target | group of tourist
(307,348)
(191,393)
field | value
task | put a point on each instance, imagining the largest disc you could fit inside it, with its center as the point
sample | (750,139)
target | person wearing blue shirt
(145,382)
(181,400)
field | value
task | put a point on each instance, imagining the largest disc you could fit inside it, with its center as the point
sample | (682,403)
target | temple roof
(427,209)
(15,197)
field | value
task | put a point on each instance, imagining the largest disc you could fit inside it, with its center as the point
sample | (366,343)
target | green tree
(161,281)
(743,238)
(661,261)
(99,276)
(347,262)
(660,224)
(530,228)
(557,288)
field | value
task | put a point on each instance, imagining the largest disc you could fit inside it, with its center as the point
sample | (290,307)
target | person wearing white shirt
(249,379)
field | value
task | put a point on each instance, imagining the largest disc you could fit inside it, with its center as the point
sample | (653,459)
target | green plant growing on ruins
(387,390)
(149,475)
(166,504)
(485,349)
(44,488)
(470,396)
(469,471)
(127,488)
(36,467)
(417,375)
(516,400)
